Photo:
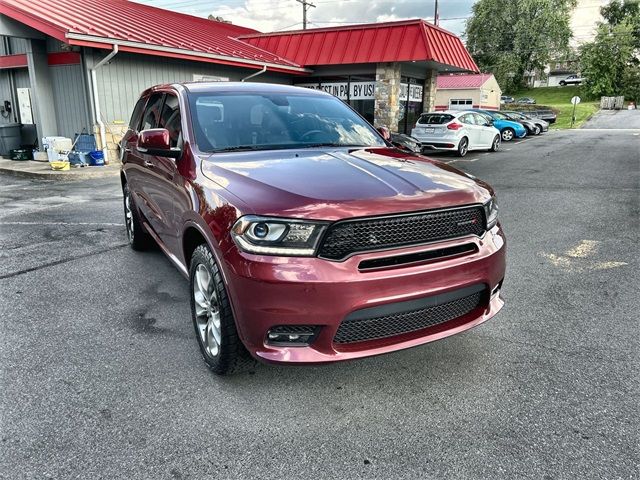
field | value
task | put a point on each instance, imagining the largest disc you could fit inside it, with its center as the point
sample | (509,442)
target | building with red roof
(459,92)
(81,64)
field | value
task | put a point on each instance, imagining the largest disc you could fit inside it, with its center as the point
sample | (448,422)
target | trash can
(9,138)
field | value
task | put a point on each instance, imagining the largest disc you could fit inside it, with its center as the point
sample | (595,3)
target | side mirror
(385,132)
(156,141)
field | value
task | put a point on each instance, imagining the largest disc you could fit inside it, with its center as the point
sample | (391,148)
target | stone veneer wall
(387,96)
(429,91)
(115,132)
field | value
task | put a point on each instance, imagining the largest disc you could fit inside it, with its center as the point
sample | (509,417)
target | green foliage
(559,100)
(510,38)
(628,11)
(610,63)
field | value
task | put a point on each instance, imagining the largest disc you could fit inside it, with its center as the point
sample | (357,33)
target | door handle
(148,164)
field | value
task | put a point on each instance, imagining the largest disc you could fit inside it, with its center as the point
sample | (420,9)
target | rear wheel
(463,147)
(563,83)
(495,145)
(138,237)
(221,348)
(508,134)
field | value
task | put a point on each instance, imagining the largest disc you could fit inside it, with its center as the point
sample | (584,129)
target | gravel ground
(101,376)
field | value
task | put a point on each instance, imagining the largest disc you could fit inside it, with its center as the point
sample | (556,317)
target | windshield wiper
(328,144)
(237,148)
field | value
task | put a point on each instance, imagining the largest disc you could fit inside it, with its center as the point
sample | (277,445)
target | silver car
(457,131)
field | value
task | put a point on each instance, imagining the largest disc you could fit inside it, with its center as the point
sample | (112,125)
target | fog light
(292,335)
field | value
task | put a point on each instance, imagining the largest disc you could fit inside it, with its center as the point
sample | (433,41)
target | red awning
(143,29)
(404,41)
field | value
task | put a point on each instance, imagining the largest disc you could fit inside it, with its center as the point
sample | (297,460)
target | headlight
(277,236)
(491,213)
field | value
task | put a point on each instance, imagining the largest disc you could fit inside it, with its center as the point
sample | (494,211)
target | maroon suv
(306,238)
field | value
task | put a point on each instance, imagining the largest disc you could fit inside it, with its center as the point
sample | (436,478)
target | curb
(60,176)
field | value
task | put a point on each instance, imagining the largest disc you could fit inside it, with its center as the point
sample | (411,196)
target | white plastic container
(57,147)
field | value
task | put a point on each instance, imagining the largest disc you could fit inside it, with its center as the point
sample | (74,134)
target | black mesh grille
(344,238)
(295,329)
(351,331)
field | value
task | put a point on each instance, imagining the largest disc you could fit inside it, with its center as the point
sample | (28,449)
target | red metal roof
(143,29)
(462,81)
(404,41)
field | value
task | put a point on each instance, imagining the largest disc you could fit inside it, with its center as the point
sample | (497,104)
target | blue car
(508,128)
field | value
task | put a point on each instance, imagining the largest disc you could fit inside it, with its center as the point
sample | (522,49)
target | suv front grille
(380,233)
(406,317)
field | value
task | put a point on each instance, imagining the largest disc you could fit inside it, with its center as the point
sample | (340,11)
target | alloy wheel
(496,143)
(207,310)
(128,217)
(507,135)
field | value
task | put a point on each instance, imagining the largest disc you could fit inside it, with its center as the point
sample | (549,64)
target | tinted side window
(468,119)
(152,112)
(170,119)
(134,123)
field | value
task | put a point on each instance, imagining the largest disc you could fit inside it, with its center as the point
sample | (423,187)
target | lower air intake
(406,317)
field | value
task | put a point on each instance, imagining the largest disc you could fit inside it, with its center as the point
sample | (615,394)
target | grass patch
(559,99)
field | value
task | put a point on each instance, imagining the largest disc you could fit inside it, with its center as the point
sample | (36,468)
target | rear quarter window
(434,118)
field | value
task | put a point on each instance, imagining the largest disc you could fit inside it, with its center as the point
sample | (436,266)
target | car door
(168,183)
(145,180)
(161,174)
(469,123)
(487,130)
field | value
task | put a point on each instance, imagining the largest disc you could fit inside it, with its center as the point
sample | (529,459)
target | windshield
(224,122)
(500,116)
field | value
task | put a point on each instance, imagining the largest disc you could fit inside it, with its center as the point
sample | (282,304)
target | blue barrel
(96,158)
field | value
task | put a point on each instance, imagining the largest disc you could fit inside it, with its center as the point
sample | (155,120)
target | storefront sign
(414,92)
(356,90)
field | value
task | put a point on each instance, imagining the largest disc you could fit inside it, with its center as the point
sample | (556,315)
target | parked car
(458,131)
(506,99)
(541,112)
(508,128)
(306,238)
(405,142)
(534,126)
(572,80)
(526,100)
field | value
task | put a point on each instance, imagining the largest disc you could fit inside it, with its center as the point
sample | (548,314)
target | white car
(572,80)
(458,131)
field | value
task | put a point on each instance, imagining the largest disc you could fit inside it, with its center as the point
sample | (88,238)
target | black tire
(495,145)
(139,238)
(463,147)
(507,134)
(538,130)
(232,356)
(563,83)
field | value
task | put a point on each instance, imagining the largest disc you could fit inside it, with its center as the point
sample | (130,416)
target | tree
(628,11)
(611,63)
(512,38)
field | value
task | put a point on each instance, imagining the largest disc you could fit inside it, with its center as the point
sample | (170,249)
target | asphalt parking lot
(102,377)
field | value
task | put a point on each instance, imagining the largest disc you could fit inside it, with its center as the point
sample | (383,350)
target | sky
(272,15)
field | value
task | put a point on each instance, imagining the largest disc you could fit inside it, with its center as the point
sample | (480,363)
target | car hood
(331,184)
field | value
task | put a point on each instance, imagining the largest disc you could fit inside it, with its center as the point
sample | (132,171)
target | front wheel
(508,134)
(538,130)
(463,147)
(495,145)
(221,348)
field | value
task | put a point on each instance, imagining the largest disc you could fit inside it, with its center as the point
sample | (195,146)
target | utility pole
(436,15)
(305,7)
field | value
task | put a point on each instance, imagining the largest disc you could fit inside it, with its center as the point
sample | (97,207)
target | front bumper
(273,291)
